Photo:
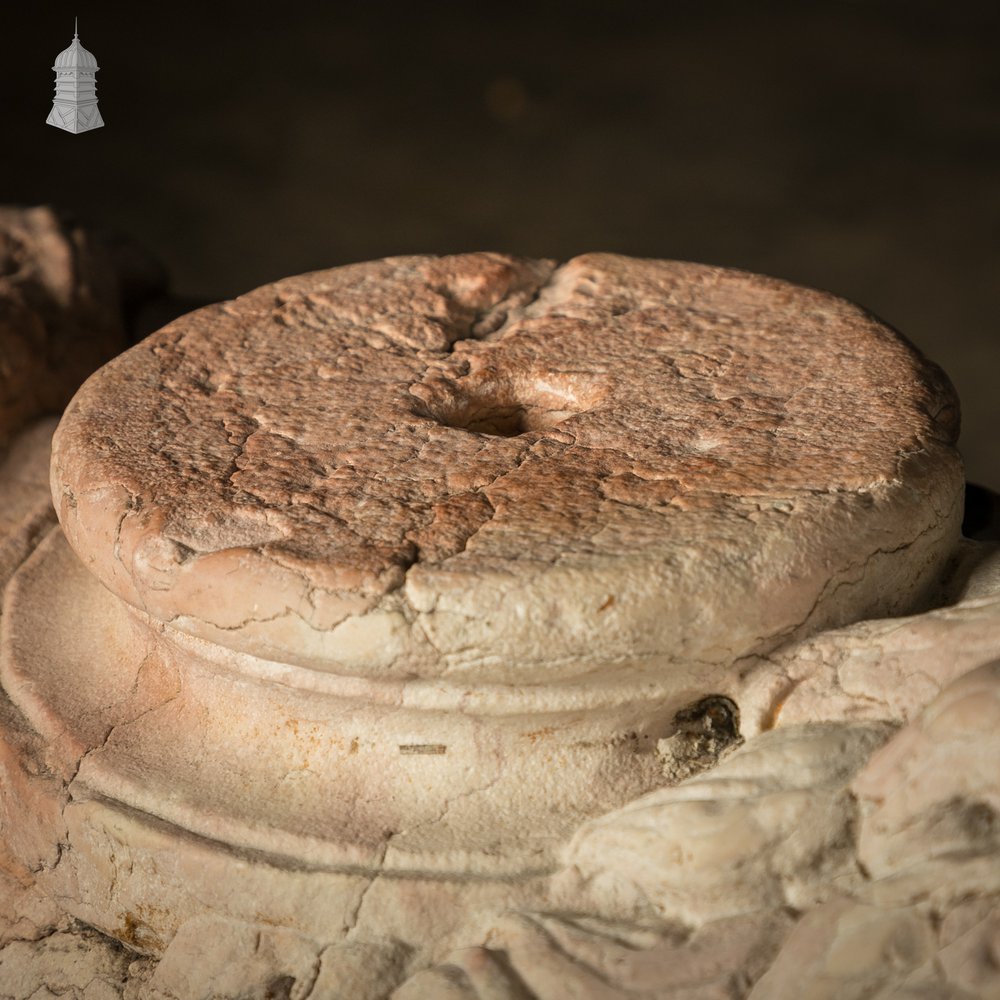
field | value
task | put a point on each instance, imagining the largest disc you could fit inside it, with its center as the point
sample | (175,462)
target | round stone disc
(495,469)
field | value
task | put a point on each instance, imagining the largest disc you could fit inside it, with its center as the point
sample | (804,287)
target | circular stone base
(489,470)
(411,567)
(182,764)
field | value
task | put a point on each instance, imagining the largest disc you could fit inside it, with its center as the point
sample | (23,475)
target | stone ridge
(363,440)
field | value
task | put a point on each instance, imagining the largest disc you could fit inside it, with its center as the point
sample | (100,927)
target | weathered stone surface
(598,960)
(923,922)
(930,799)
(79,965)
(66,292)
(844,950)
(770,826)
(29,841)
(969,956)
(219,959)
(361,970)
(26,513)
(886,668)
(262,828)
(489,468)
(469,974)
(541,956)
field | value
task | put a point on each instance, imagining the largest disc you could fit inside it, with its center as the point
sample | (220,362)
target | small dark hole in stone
(714,715)
(705,731)
(498,422)
(280,988)
(503,409)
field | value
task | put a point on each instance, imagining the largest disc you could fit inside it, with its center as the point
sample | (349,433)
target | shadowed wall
(851,146)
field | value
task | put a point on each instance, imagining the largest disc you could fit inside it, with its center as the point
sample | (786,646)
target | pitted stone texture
(65,290)
(487,467)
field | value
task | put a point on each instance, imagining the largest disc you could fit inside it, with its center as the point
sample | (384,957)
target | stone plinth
(389,600)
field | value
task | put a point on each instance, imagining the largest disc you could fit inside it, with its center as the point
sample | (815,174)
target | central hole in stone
(503,409)
(484,417)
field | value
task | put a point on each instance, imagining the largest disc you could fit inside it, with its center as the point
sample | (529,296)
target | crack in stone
(482,327)
(102,745)
(354,919)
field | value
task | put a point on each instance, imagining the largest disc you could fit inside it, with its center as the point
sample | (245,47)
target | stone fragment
(374,585)
(886,668)
(705,732)
(78,965)
(220,959)
(139,974)
(770,826)
(930,799)
(844,950)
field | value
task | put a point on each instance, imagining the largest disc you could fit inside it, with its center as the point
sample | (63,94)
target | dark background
(854,146)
